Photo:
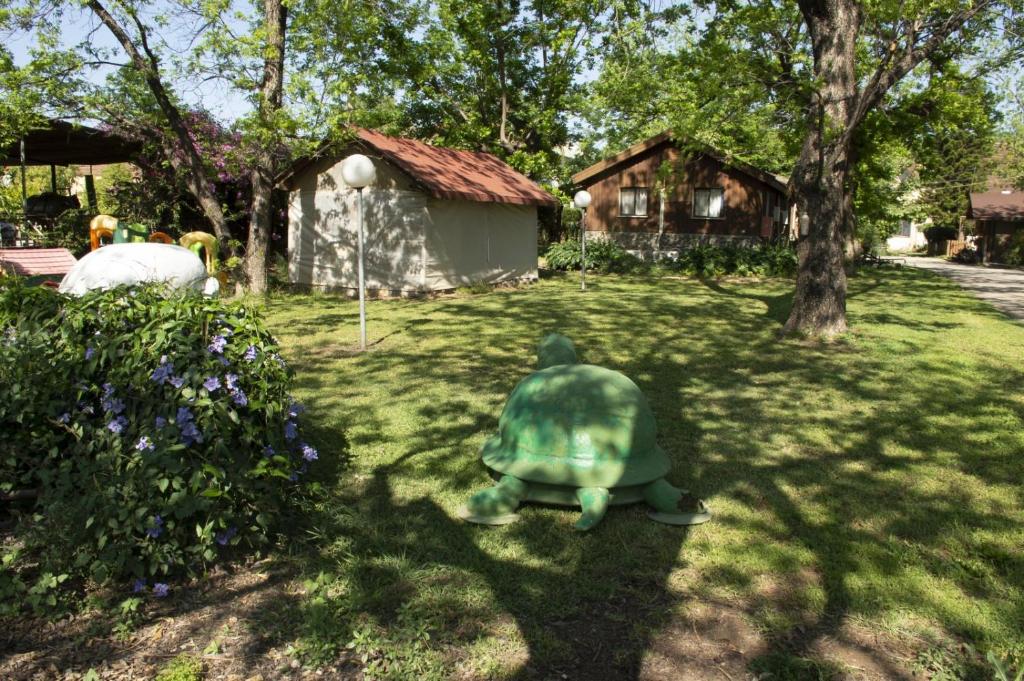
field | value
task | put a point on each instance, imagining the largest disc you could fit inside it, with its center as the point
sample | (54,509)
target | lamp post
(581,201)
(357,171)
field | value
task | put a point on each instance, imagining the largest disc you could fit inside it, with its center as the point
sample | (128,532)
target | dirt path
(1002,287)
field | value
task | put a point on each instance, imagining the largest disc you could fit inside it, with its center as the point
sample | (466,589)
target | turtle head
(555,349)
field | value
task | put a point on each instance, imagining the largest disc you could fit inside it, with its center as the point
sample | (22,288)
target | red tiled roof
(30,262)
(450,173)
(995,205)
(457,174)
(585,177)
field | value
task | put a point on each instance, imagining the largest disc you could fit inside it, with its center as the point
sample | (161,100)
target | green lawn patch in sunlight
(871,484)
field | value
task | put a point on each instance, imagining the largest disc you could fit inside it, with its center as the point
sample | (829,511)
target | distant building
(707,199)
(998,216)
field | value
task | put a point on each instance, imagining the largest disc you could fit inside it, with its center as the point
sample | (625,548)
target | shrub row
(703,260)
(157,433)
(602,255)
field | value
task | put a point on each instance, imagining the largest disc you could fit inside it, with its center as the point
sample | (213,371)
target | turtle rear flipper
(671,505)
(496,505)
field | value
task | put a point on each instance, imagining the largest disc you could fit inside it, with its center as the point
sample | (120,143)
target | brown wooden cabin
(998,215)
(708,199)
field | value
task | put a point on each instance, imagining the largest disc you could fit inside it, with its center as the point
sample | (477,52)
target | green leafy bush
(937,233)
(157,431)
(602,254)
(764,260)
(1015,251)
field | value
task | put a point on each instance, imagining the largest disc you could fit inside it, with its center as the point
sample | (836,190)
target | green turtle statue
(577,434)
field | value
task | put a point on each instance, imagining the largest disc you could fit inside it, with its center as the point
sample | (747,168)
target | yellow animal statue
(205,242)
(161,238)
(101,226)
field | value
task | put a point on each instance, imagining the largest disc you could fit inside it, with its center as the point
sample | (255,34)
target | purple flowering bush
(157,431)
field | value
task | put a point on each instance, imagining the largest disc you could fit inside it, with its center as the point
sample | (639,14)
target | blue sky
(82,25)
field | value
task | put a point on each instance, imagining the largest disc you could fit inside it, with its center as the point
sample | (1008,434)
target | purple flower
(64,418)
(212,383)
(295,408)
(160,590)
(108,389)
(309,453)
(217,344)
(250,353)
(157,529)
(138,585)
(162,373)
(117,425)
(231,380)
(160,422)
(239,397)
(144,444)
(183,415)
(113,405)
(176,381)
(294,477)
(190,434)
(89,352)
(224,537)
(223,360)
(291,431)
(268,451)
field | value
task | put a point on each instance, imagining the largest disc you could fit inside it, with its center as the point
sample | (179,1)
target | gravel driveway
(1002,287)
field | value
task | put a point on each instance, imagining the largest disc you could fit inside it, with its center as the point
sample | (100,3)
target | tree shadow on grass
(832,469)
(859,480)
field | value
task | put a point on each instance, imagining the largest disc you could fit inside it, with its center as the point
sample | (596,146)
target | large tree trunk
(191,166)
(275,18)
(822,171)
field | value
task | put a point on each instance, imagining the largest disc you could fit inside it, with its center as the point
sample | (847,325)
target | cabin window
(905,228)
(633,202)
(708,203)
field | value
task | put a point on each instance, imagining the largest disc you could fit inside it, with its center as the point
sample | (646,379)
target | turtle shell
(578,425)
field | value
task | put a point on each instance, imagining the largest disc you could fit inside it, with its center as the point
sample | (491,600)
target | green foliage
(1015,252)
(184,667)
(766,260)
(37,181)
(158,432)
(603,255)
(936,233)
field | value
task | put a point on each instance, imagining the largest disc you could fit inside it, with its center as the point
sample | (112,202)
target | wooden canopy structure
(61,143)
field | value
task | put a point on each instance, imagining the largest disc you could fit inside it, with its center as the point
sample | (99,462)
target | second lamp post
(581,201)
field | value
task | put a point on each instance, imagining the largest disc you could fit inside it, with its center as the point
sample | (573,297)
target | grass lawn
(868,498)
(867,494)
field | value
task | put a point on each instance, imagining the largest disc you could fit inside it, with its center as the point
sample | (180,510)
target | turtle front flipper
(497,505)
(594,501)
(668,508)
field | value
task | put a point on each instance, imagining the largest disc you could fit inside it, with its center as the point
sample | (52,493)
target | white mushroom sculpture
(129,264)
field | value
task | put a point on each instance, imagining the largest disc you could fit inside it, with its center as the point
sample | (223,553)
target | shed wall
(322,223)
(468,242)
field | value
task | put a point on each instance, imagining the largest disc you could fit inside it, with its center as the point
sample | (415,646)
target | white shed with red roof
(436,218)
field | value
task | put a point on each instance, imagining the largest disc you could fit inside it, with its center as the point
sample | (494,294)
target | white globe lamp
(582,199)
(358,171)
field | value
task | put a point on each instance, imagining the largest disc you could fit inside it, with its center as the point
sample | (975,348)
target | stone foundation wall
(645,244)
